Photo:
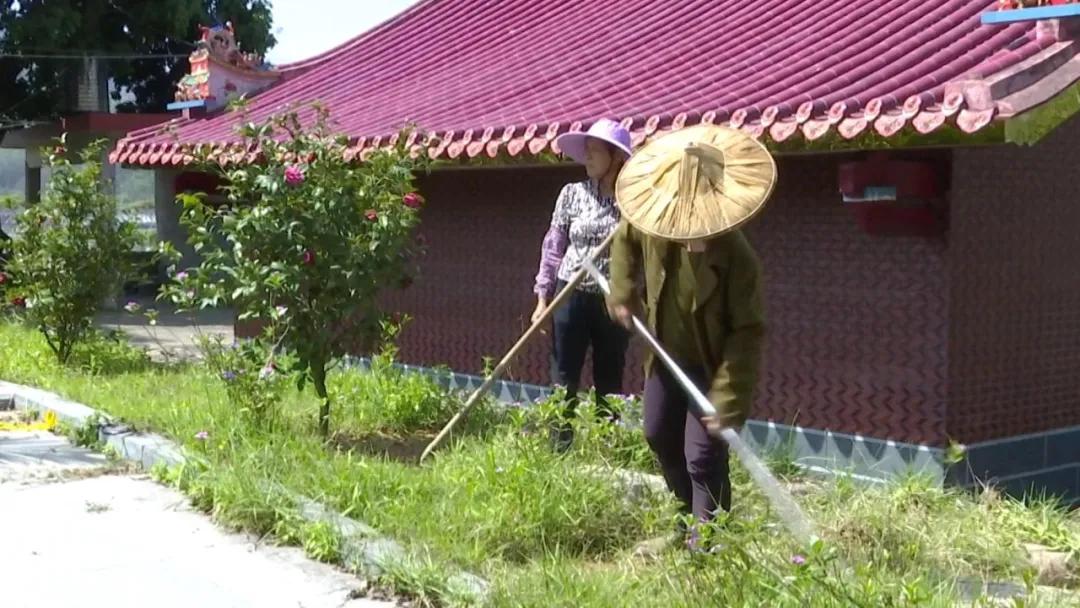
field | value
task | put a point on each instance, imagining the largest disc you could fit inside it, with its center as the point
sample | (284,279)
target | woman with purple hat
(585,215)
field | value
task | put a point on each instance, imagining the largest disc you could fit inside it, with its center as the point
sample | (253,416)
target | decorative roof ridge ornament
(220,70)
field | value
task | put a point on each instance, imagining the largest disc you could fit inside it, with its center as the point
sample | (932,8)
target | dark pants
(580,322)
(694,464)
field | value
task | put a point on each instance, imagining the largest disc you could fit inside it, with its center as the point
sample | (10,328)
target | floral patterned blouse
(582,219)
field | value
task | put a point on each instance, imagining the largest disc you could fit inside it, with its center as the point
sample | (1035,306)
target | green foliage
(551,530)
(108,353)
(390,401)
(321,541)
(252,374)
(133,27)
(86,435)
(307,241)
(71,253)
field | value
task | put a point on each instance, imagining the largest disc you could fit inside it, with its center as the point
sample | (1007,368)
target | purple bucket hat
(573,144)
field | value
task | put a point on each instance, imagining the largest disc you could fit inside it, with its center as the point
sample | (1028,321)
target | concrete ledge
(364,551)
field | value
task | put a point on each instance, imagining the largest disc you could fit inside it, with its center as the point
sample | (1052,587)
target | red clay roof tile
(513,74)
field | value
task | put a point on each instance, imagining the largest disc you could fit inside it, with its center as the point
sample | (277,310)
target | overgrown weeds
(544,528)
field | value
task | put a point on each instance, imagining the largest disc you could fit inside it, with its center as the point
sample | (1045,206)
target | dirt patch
(399,449)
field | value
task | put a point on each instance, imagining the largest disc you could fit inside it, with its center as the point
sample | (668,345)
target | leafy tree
(308,239)
(72,251)
(38,87)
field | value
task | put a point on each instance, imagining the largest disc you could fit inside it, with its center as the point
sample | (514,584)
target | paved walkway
(73,536)
(175,336)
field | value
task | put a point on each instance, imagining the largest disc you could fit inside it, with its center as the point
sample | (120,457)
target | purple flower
(202,435)
(266,372)
(294,175)
(132,307)
(798,560)
(228,376)
(181,276)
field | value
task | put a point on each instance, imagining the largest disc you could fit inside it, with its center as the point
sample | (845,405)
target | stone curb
(364,551)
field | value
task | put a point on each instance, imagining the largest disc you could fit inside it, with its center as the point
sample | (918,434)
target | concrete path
(73,536)
(174,336)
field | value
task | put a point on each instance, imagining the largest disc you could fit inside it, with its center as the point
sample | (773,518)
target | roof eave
(1031,126)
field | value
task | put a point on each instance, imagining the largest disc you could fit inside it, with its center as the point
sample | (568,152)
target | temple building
(918,248)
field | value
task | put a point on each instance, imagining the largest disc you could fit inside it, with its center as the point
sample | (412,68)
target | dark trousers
(581,322)
(694,464)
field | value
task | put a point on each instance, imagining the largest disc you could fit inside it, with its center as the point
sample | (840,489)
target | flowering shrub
(255,377)
(308,239)
(71,253)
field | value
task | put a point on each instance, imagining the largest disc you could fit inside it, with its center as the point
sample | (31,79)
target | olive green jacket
(728,315)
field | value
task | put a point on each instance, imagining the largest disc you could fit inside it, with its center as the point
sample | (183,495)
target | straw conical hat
(695,183)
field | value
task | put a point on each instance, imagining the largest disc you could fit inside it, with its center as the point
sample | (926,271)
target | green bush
(252,373)
(71,253)
(307,241)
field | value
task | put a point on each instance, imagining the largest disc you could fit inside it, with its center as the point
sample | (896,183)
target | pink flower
(413,200)
(3,278)
(371,215)
(181,276)
(294,175)
(798,560)
(18,302)
(202,435)
(308,257)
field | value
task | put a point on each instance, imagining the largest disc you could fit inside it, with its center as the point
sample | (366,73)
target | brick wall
(1014,361)
(856,323)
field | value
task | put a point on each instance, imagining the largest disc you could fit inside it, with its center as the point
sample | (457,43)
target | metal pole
(515,349)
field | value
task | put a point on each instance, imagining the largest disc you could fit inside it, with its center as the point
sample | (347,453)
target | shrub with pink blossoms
(309,238)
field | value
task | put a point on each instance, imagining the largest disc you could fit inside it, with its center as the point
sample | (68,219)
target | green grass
(541,527)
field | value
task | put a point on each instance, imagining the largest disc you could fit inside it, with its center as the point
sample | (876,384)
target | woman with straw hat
(585,215)
(683,198)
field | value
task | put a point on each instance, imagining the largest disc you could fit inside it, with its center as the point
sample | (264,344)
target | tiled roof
(496,76)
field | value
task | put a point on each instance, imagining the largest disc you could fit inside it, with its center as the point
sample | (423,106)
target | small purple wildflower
(266,372)
(181,276)
(132,307)
(202,435)
(798,560)
(228,375)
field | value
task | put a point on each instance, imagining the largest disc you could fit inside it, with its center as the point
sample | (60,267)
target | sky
(308,27)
